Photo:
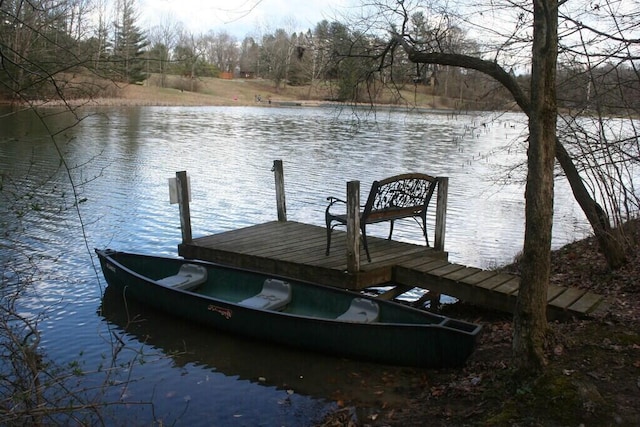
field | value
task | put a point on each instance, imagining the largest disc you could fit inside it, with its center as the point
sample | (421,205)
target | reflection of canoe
(289,312)
(316,375)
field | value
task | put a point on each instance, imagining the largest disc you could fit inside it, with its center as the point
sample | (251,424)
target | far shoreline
(232,93)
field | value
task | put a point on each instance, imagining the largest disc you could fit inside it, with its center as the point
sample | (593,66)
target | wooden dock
(297,250)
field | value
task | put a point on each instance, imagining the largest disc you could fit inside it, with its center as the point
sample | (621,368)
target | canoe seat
(275,295)
(189,276)
(361,310)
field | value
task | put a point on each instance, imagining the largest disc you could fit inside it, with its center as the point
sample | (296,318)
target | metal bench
(396,197)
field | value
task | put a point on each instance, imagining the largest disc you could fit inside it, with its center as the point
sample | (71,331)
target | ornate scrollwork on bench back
(402,191)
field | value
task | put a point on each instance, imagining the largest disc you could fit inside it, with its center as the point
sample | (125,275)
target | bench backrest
(401,195)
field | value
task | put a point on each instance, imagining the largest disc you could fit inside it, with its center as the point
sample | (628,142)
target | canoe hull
(438,342)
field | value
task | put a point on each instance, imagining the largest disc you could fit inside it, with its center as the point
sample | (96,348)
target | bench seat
(361,310)
(275,295)
(188,277)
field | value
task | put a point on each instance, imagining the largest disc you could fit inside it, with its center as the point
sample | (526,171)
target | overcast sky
(240,17)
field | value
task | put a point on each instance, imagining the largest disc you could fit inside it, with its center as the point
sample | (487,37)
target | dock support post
(278,171)
(441,213)
(183,203)
(353,227)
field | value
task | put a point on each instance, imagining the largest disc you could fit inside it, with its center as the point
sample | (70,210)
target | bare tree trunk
(530,320)
(609,239)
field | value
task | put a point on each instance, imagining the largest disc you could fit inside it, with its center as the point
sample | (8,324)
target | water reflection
(269,366)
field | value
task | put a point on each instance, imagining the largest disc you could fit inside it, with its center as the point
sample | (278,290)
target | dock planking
(297,250)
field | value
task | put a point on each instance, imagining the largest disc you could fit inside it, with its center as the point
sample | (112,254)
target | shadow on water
(318,376)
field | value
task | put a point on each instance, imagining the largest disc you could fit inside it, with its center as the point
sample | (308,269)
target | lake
(119,160)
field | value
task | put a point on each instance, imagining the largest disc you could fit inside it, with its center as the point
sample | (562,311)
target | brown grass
(213,91)
(178,90)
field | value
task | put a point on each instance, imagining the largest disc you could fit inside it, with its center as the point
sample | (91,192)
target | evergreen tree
(128,45)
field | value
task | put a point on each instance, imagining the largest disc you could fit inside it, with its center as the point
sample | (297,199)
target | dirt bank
(593,374)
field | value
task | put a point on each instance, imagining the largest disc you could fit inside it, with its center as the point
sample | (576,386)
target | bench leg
(329,229)
(424,230)
(390,229)
(364,242)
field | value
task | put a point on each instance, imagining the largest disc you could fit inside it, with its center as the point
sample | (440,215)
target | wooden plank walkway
(297,250)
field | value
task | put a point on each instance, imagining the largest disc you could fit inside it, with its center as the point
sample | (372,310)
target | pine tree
(128,45)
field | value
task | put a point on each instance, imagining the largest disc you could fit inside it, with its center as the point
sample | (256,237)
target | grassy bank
(178,90)
(214,91)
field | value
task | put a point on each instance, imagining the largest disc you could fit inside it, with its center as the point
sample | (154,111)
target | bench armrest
(333,200)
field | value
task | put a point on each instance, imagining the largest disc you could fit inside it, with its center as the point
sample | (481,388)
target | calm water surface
(120,160)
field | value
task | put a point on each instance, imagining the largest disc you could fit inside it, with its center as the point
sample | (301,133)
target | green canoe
(290,312)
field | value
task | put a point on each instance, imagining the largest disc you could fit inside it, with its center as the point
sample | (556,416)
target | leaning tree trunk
(609,239)
(530,319)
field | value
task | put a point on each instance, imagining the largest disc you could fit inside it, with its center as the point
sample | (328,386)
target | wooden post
(183,202)
(441,213)
(353,227)
(441,223)
(278,171)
